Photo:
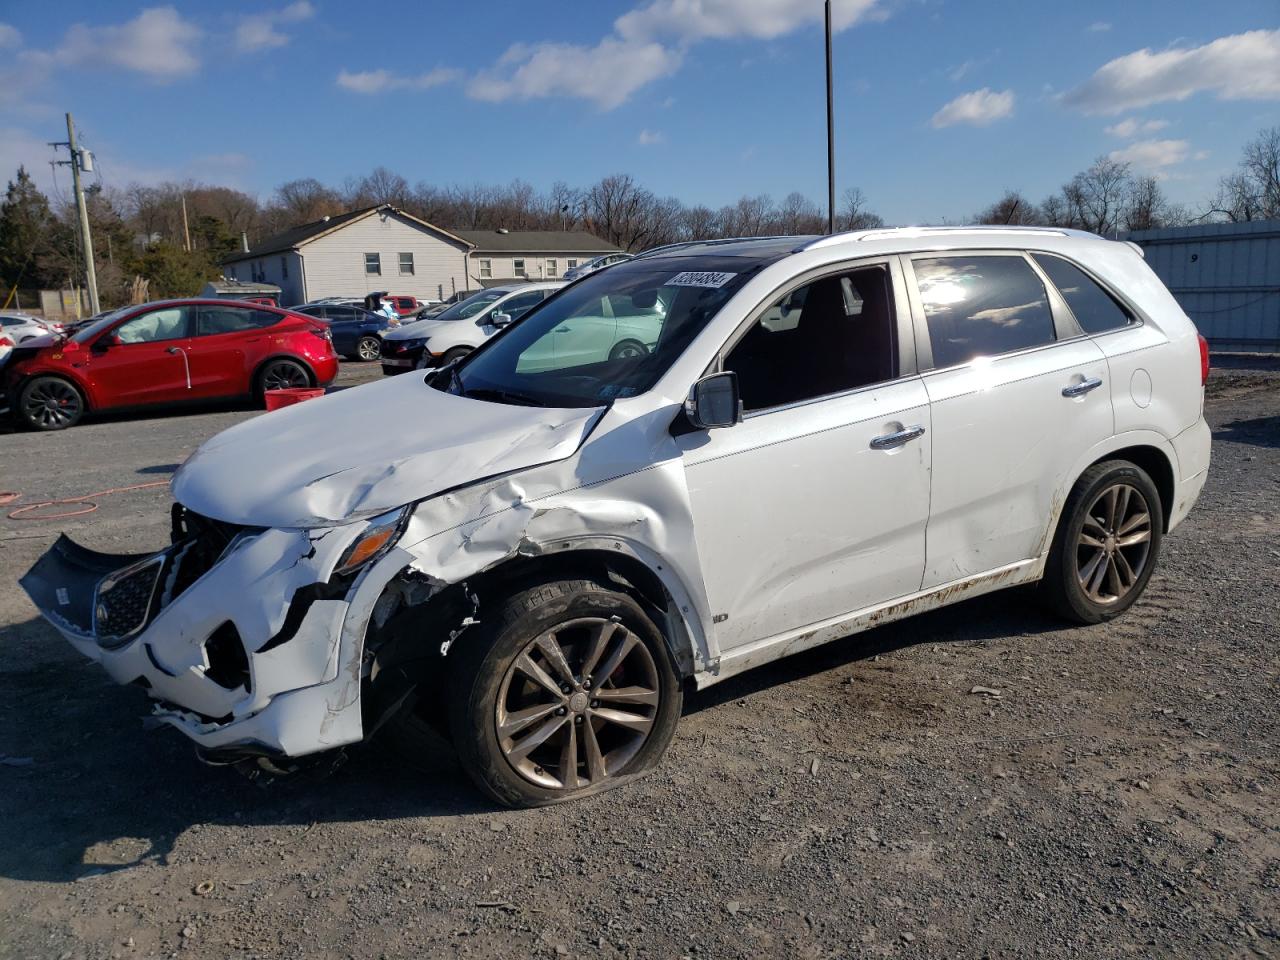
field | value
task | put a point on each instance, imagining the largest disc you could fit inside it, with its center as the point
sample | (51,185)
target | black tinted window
(518,306)
(1094,308)
(832,335)
(982,306)
(233,319)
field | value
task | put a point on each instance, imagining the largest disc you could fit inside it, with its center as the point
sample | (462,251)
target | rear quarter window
(1095,309)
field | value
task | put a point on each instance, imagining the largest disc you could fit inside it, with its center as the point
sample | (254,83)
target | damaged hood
(367,450)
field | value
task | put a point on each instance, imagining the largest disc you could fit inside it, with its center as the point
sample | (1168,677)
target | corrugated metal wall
(1225,275)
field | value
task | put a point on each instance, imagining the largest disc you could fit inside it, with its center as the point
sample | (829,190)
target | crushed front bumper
(240,634)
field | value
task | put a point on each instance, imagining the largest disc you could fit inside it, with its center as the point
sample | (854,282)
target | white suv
(547,543)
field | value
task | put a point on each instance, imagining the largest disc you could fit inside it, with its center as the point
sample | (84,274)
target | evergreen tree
(26,226)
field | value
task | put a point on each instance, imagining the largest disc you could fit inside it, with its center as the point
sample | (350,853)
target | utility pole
(86,239)
(186,234)
(831,136)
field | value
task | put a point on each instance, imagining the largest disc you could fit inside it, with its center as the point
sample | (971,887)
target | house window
(406,264)
(284,268)
(518,268)
(552,271)
(373,264)
(570,264)
(486,269)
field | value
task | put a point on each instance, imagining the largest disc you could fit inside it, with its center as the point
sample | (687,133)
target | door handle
(186,364)
(1080,389)
(897,439)
(562,329)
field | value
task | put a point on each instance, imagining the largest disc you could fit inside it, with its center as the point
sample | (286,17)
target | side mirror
(500,319)
(713,401)
(106,341)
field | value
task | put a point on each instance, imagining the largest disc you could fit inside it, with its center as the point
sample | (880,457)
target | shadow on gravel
(1258,432)
(159,468)
(102,795)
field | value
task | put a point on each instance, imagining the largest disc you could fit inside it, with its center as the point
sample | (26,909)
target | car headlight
(378,537)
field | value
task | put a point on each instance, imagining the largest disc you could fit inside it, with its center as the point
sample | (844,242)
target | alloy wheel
(627,351)
(51,403)
(577,704)
(369,349)
(284,374)
(1114,544)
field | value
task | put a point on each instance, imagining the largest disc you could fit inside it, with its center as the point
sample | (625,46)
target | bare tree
(626,214)
(1012,208)
(302,201)
(1253,191)
(1096,197)
(854,214)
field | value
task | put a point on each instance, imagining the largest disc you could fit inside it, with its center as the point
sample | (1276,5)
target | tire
(457,353)
(368,349)
(50,403)
(1099,563)
(628,348)
(281,373)
(589,624)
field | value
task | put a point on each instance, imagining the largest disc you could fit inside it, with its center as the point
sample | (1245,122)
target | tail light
(1204,360)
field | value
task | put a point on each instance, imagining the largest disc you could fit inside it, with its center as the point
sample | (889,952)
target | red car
(166,352)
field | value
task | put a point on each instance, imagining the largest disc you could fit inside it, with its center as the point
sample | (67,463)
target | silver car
(21,327)
(599,263)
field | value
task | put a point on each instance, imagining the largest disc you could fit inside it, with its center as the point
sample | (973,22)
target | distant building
(383,248)
(1226,276)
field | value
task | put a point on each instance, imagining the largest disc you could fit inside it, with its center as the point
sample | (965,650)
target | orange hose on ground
(87,505)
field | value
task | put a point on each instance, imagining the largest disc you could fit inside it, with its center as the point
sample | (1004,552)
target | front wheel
(628,350)
(457,353)
(1107,543)
(566,689)
(50,403)
(369,348)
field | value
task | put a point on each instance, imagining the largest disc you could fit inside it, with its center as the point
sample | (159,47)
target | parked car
(457,331)
(541,558)
(599,263)
(356,331)
(164,353)
(21,327)
(6,348)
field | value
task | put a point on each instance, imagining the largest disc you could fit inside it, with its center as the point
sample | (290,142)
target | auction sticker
(700,278)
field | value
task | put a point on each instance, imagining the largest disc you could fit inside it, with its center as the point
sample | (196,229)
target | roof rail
(883,234)
(669,247)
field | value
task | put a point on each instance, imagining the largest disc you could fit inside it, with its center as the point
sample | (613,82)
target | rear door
(144,359)
(1017,396)
(229,336)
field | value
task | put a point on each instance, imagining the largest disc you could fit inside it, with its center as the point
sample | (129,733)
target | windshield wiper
(503,396)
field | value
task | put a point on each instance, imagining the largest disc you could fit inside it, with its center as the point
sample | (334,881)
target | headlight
(379,537)
(403,345)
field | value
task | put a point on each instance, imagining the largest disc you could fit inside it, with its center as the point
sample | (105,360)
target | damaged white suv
(550,541)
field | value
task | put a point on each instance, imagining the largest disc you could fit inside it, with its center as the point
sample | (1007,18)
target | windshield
(612,334)
(470,306)
(93,329)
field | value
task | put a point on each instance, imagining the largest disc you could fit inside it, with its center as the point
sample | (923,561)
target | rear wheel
(282,374)
(1107,543)
(569,691)
(628,349)
(50,403)
(369,348)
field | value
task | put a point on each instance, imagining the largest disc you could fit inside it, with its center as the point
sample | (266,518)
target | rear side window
(1094,308)
(982,307)
(214,320)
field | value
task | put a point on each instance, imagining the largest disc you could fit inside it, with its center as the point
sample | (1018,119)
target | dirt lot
(1119,796)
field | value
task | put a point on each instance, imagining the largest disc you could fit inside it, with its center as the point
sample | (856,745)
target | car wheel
(282,374)
(1106,545)
(369,348)
(457,353)
(50,403)
(628,349)
(566,689)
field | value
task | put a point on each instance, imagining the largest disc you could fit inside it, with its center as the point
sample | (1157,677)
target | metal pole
(186,234)
(831,135)
(91,274)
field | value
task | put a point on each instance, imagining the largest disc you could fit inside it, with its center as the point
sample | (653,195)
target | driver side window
(835,334)
(171,323)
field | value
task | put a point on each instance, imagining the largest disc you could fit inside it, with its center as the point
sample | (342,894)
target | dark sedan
(355,330)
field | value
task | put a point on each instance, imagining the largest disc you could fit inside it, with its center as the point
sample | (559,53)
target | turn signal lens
(1204,360)
(381,534)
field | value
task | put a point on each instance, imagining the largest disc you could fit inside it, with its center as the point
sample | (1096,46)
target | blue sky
(940,105)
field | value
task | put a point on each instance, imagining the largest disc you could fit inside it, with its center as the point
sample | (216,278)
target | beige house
(383,248)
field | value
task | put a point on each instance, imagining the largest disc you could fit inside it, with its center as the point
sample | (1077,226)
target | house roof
(225,287)
(297,236)
(535,241)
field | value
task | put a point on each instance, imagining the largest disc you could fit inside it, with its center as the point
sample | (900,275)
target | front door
(143,359)
(815,505)
(1017,398)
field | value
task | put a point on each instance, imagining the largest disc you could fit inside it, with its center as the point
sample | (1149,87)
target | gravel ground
(1117,798)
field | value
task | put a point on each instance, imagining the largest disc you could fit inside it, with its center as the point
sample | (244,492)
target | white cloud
(688,21)
(1099,26)
(9,37)
(648,138)
(979,108)
(1244,66)
(158,43)
(1152,156)
(1132,126)
(606,74)
(376,81)
(259,31)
